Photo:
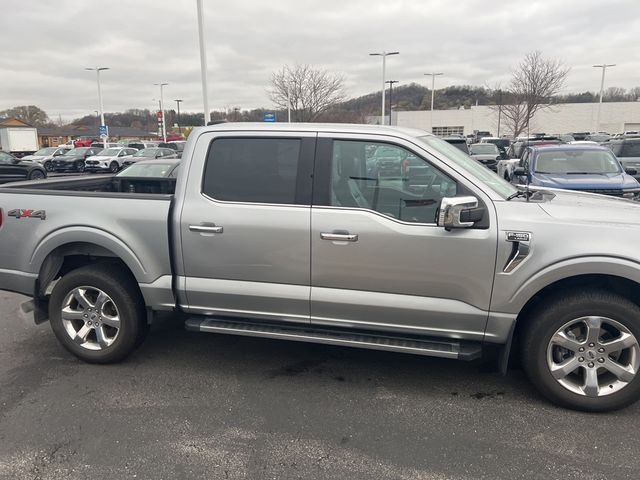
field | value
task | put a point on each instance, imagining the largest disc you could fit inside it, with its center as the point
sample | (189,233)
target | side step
(457,349)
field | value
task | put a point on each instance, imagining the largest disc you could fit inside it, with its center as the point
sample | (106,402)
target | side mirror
(631,171)
(452,211)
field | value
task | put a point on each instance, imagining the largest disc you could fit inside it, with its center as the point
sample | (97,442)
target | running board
(457,349)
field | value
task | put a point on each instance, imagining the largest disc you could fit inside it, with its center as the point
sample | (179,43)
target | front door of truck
(379,261)
(245,225)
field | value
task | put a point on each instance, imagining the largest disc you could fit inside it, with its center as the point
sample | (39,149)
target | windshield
(108,152)
(486,176)
(576,162)
(148,170)
(147,152)
(484,149)
(77,151)
(46,151)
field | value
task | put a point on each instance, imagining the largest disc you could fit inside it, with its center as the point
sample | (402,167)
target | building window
(447,131)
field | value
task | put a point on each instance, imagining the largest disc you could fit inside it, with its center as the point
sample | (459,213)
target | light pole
(604,68)
(433,93)
(178,104)
(384,67)
(203,61)
(390,82)
(288,102)
(98,70)
(164,123)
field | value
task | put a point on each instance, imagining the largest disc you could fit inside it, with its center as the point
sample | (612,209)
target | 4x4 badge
(23,213)
(518,237)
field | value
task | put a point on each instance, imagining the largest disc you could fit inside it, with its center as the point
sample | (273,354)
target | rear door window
(253,170)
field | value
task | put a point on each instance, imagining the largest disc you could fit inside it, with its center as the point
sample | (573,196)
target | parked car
(516,149)
(137,144)
(109,159)
(506,167)
(178,146)
(387,161)
(84,141)
(14,169)
(502,143)
(149,153)
(275,231)
(44,156)
(175,137)
(487,154)
(459,143)
(628,152)
(105,144)
(599,137)
(74,160)
(163,168)
(588,168)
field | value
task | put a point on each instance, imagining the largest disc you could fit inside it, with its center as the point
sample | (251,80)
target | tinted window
(5,158)
(258,170)
(630,149)
(387,179)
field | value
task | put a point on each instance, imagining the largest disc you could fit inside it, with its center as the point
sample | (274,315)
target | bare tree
(312,91)
(534,83)
(30,114)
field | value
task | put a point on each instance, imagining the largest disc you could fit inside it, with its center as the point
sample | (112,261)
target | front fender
(600,265)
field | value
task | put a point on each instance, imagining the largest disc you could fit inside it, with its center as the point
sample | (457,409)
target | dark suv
(628,152)
(73,160)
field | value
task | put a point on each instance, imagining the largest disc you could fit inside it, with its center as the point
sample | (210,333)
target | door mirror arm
(458,212)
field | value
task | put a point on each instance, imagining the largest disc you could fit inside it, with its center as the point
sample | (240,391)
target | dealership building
(615,117)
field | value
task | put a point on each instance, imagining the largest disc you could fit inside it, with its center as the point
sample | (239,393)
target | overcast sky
(46,44)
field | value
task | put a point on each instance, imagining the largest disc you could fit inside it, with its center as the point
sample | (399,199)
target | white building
(563,118)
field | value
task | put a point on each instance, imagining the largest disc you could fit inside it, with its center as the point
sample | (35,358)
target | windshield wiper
(582,173)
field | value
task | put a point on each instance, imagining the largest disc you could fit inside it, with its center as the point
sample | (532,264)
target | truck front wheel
(97,313)
(581,350)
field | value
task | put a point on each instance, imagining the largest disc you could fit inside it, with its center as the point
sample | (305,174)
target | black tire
(126,297)
(114,167)
(552,314)
(48,166)
(80,166)
(37,174)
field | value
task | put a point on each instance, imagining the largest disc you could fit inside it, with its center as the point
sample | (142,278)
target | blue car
(588,168)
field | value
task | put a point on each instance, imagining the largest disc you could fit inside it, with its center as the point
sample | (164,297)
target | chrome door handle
(339,237)
(205,229)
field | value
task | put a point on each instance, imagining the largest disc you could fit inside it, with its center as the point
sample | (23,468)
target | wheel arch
(622,285)
(77,246)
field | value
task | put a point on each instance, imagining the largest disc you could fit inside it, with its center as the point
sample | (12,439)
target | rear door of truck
(245,225)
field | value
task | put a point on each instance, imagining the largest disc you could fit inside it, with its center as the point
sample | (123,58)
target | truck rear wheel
(582,350)
(97,313)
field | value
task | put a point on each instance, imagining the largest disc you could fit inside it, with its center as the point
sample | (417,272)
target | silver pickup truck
(288,231)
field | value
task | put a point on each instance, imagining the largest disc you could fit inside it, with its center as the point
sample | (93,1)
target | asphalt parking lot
(190,405)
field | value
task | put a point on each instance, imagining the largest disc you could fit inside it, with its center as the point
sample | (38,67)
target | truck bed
(126,218)
(99,185)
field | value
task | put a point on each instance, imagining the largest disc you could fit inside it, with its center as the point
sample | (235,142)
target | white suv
(109,159)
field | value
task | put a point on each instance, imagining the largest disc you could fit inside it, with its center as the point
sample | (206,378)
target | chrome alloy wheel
(90,318)
(593,356)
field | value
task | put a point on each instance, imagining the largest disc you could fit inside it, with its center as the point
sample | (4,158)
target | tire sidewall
(549,320)
(129,310)
(32,175)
